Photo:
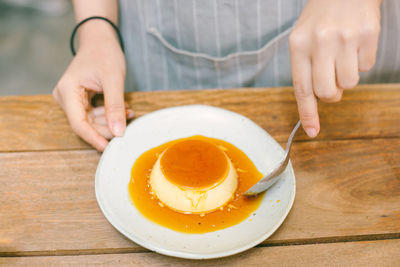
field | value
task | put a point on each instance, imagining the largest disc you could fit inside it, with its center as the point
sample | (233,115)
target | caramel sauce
(235,211)
(194,164)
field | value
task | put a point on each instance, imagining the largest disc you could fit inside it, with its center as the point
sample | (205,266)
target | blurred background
(34,44)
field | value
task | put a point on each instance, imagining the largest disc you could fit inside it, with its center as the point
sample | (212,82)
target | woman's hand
(98,67)
(331,42)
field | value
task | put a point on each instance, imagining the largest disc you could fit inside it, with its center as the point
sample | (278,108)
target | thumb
(113,88)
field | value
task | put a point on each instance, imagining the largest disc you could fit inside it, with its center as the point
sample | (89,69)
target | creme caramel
(193,176)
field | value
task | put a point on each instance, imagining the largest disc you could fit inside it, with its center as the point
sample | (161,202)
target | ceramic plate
(156,128)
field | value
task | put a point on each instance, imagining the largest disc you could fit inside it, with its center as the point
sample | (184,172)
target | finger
(100,111)
(56,95)
(324,78)
(368,48)
(347,68)
(100,120)
(113,88)
(129,114)
(306,101)
(103,130)
(77,116)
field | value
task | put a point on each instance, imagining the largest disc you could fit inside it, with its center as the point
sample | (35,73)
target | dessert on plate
(194,176)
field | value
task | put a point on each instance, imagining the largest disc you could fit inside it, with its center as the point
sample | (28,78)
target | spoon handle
(290,140)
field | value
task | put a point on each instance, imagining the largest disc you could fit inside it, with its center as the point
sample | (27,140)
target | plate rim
(181,254)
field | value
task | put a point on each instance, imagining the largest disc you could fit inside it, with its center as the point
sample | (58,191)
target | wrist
(95,32)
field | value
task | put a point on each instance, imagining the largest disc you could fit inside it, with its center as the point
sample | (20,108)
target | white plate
(156,128)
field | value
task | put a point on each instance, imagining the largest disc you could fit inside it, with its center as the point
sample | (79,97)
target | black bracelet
(71,42)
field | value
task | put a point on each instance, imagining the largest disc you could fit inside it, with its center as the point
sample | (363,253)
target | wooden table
(347,207)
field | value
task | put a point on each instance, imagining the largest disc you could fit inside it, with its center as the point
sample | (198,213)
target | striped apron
(195,44)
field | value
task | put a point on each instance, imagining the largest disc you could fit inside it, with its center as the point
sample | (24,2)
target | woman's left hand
(331,42)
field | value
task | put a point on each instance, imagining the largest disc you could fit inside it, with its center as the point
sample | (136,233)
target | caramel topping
(194,164)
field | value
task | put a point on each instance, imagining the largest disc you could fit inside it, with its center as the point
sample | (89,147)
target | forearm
(94,31)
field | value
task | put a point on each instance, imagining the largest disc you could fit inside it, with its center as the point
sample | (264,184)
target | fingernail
(117,129)
(129,114)
(311,132)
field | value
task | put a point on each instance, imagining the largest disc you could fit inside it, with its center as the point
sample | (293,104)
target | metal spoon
(272,177)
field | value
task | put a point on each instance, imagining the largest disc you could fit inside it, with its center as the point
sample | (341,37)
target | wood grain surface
(35,123)
(373,253)
(346,190)
(346,210)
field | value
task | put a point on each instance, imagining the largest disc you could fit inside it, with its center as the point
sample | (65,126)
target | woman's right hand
(98,67)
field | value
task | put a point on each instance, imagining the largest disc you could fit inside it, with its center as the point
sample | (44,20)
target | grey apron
(193,44)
